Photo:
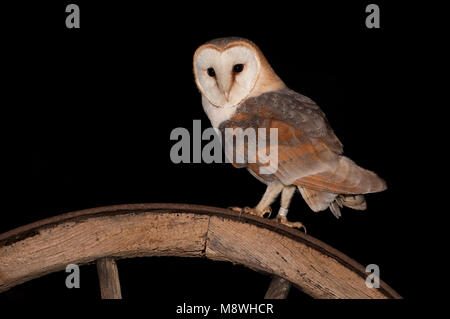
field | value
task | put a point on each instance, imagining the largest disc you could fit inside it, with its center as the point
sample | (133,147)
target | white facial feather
(217,114)
(226,88)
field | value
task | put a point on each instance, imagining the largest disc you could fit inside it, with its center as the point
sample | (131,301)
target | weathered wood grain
(261,249)
(278,289)
(125,231)
(108,277)
(81,241)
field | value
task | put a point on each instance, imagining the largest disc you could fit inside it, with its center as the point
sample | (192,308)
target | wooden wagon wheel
(104,234)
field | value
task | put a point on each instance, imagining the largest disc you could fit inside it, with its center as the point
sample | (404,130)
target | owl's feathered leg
(286,197)
(263,207)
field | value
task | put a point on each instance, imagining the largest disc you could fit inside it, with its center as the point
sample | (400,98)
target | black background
(93,109)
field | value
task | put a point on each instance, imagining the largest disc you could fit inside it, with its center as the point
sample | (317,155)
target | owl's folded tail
(346,177)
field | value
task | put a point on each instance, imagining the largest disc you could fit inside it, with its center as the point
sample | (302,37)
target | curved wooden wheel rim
(132,230)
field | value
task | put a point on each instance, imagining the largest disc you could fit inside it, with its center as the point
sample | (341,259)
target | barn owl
(241,90)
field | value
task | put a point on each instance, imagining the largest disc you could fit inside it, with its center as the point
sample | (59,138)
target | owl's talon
(284,221)
(267,210)
(253,211)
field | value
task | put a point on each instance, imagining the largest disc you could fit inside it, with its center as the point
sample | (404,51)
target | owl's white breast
(217,115)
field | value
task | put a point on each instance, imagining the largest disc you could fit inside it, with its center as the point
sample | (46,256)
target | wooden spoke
(278,289)
(108,277)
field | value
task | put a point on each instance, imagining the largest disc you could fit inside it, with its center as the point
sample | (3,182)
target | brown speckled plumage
(310,154)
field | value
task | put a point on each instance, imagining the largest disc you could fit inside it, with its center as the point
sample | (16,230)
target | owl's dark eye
(211,72)
(237,68)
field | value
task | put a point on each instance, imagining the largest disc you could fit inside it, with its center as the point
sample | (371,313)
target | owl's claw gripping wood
(284,221)
(253,211)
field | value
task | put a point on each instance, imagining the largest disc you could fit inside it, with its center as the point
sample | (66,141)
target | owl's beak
(225,92)
(224,85)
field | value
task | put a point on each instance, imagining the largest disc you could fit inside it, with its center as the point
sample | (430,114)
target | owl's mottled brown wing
(309,153)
